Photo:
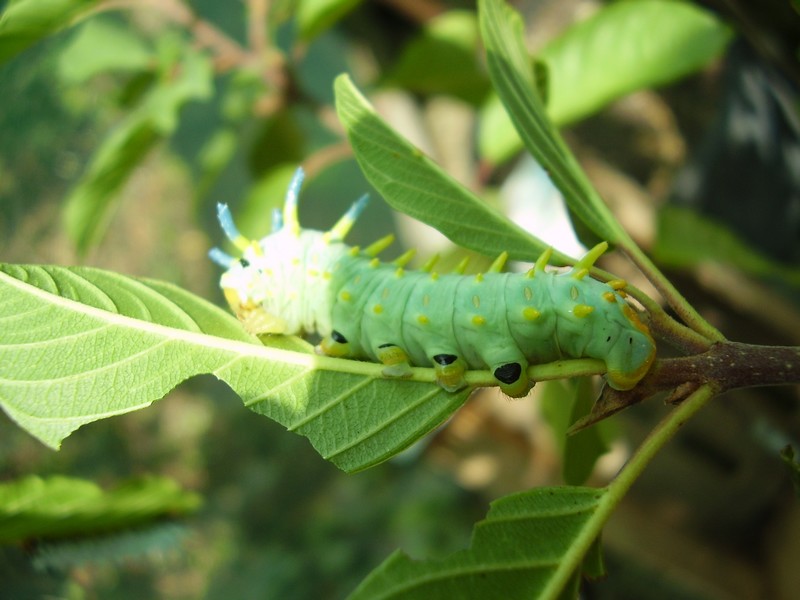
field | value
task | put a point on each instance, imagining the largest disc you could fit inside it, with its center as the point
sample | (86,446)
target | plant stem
(257,11)
(657,439)
(667,328)
(674,298)
(616,490)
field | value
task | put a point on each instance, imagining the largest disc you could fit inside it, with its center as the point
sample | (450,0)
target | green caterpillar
(297,281)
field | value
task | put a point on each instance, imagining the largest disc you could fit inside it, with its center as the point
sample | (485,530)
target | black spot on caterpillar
(297,281)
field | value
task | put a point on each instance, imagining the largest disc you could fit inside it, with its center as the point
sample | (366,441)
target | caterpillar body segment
(297,281)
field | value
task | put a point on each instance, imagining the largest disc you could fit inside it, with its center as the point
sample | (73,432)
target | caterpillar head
(246,287)
(278,285)
(631,354)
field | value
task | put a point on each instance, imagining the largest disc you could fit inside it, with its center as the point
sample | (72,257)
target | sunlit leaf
(80,344)
(513,78)
(628,46)
(413,184)
(623,47)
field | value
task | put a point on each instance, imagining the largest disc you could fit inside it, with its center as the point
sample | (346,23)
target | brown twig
(257,12)
(725,366)
(227,51)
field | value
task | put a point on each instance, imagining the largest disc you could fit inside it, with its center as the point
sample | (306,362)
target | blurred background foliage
(118,135)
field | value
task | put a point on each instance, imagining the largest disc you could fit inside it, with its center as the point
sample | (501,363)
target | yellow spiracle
(530,314)
(617,284)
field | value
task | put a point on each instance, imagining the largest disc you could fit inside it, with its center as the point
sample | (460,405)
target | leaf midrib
(169,333)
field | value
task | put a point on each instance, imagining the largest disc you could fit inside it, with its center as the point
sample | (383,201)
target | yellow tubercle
(587,260)
(609,297)
(429,264)
(499,263)
(379,246)
(405,258)
(461,267)
(542,261)
(580,274)
(617,284)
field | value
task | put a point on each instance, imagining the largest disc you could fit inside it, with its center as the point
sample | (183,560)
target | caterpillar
(302,281)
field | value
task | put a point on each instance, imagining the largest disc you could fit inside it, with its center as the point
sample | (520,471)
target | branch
(227,51)
(725,366)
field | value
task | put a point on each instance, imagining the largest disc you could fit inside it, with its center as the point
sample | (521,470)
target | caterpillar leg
(450,370)
(395,360)
(335,345)
(512,377)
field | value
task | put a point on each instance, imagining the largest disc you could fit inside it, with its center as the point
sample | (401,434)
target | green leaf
(687,239)
(56,507)
(498,140)
(793,467)
(265,195)
(513,79)
(623,47)
(443,59)
(563,403)
(628,46)
(89,205)
(103,45)
(214,156)
(25,22)
(529,546)
(413,184)
(80,344)
(280,140)
(316,16)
